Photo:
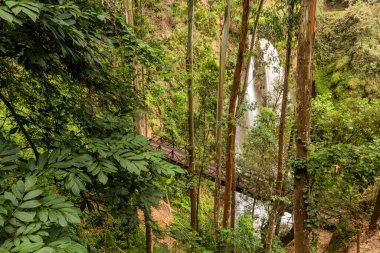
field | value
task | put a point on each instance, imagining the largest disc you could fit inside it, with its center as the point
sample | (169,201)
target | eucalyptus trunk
(191,148)
(219,112)
(303,120)
(251,47)
(281,144)
(230,159)
(240,101)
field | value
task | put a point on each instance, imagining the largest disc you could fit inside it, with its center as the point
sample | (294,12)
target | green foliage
(348,52)
(33,219)
(351,120)
(338,175)
(342,236)
(244,237)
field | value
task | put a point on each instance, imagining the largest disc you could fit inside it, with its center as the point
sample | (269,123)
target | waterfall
(273,75)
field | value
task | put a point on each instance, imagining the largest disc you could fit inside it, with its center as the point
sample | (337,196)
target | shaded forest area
(189,126)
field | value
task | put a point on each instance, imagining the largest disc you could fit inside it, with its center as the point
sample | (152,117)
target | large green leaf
(25,216)
(30,204)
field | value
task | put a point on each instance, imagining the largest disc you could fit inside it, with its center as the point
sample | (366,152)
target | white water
(273,76)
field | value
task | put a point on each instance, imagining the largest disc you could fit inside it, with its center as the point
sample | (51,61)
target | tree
(230,148)
(251,47)
(281,144)
(303,120)
(191,148)
(222,69)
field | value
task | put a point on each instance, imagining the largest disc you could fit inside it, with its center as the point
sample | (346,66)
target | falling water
(273,75)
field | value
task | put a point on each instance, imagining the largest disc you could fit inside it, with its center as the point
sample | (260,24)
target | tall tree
(230,159)
(219,111)
(281,144)
(240,101)
(251,47)
(303,120)
(191,148)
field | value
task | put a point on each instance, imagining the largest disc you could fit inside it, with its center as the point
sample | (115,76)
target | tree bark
(230,168)
(240,101)
(376,213)
(303,120)
(189,70)
(251,47)
(281,144)
(219,112)
(148,231)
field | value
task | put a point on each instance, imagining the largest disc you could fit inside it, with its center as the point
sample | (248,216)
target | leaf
(9,158)
(33,194)
(53,199)
(45,250)
(6,16)
(43,215)
(42,160)
(35,238)
(102,178)
(16,10)
(72,218)
(28,247)
(31,164)
(25,216)
(11,197)
(20,230)
(10,4)
(30,182)
(21,186)
(1,221)
(61,220)
(30,204)
(32,15)
(16,192)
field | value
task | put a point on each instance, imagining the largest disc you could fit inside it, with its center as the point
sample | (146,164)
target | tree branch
(20,124)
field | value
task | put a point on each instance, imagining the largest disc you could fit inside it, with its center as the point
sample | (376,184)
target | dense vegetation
(85,84)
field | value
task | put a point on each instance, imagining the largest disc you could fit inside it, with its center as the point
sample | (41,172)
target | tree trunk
(240,101)
(281,145)
(148,231)
(376,213)
(230,168)
(251,47)
(189,70)
(219,111)
(303,120)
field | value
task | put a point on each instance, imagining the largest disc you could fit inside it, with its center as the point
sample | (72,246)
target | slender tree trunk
(230,168)
(251,47)
(376,213)
(240,101)
(281,144)
(148,231)
(189,70)
(20,125)
(219,112)
(303,120)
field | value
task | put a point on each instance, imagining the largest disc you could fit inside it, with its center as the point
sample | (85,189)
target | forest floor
(370,244)
(163,215)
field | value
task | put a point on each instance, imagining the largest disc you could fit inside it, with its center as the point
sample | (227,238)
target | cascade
(273,75)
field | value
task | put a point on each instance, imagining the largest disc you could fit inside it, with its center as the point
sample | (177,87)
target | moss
(349,42)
